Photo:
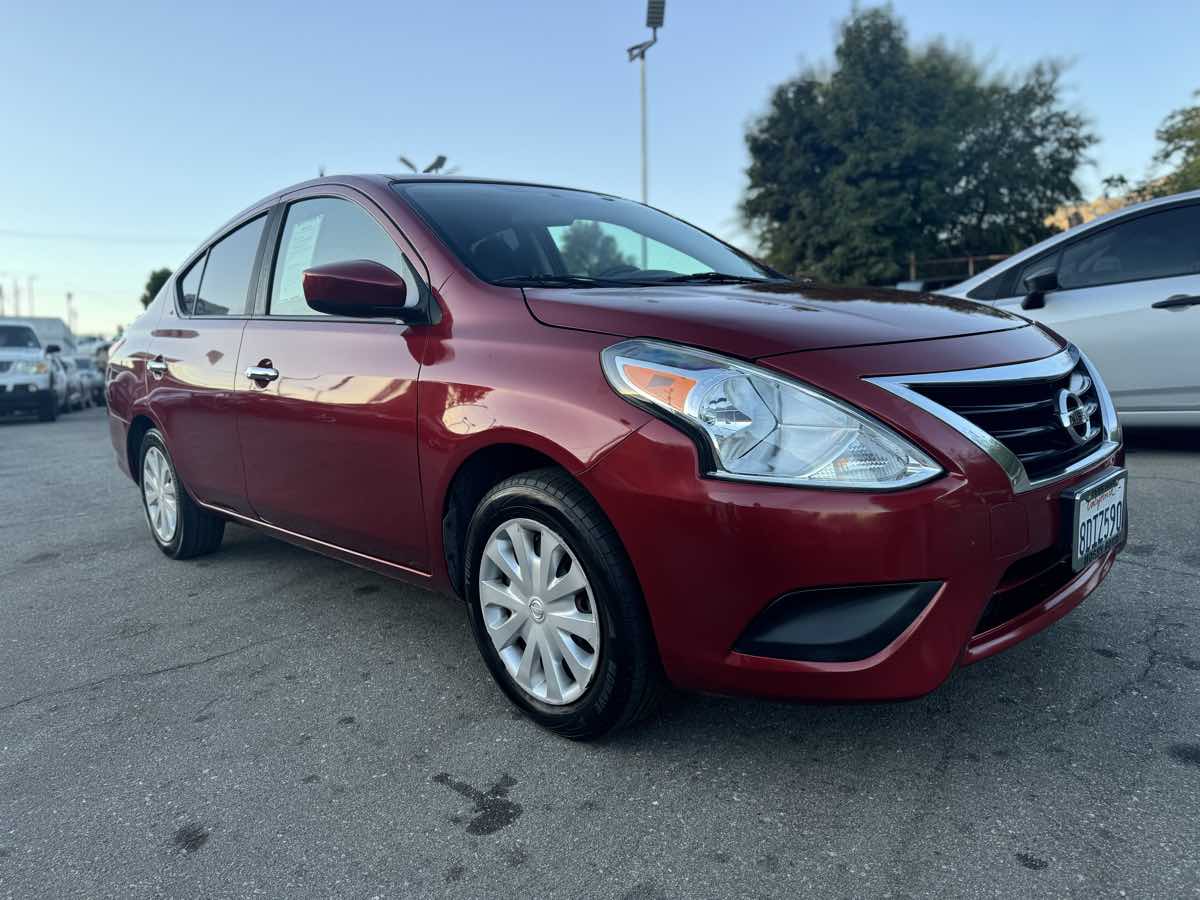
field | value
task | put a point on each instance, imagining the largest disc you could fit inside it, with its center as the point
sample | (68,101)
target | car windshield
(19,336)
(525,235)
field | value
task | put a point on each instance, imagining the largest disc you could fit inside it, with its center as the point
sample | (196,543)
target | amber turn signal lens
(668,388)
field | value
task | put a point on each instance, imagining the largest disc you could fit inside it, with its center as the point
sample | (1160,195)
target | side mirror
(53,348)
(360,288)
(1038,284)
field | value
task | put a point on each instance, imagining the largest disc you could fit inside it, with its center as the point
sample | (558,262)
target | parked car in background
(50,330)
(928,285)
(78,395)
(659,461)
(92,377)
(1126,289)
(30,379)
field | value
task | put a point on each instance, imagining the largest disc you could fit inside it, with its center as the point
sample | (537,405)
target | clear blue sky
(133,129)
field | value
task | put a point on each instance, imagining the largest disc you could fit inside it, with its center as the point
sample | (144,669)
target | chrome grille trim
(1038,370)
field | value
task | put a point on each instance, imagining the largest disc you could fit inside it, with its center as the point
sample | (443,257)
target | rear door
(1130,297)
(330,442)
(192,373)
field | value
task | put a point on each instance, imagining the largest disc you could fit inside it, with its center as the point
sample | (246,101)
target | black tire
(49,410)
(197,531)
(629,680)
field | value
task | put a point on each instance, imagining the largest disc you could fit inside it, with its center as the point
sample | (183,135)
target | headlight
(30,367)
(754,425)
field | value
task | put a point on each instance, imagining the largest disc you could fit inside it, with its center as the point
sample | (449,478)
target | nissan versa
(639,455)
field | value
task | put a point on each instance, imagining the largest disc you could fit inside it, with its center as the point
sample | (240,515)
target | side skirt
(362,560)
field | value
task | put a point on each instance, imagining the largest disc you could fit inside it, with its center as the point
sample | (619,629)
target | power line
(94,238)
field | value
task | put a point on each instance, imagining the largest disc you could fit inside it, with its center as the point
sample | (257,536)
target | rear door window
(225,284)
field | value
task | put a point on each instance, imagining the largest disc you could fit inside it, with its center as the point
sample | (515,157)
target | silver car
(78,394)
(92,378)
(30,379)
(1125,288)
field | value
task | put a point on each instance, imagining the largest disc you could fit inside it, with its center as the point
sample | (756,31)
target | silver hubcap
(539,611)
(162,498)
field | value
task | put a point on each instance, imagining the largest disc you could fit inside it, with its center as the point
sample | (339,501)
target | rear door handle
(1175,301)
(157,367)
(262,373)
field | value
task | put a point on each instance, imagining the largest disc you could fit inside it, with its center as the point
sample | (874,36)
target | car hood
(756,320)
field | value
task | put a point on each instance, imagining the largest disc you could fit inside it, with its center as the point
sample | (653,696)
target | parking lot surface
(267,722)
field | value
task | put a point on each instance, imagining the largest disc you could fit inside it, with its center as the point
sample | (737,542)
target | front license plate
(1099,517)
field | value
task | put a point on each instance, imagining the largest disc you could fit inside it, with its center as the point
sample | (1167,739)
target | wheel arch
(133,442)
(478,473)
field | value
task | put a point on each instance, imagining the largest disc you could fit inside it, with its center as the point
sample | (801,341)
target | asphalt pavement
(268,722)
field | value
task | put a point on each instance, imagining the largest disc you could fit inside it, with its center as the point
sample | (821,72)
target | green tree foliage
(587,250)
(1179,140)
(897,151)
(154,284)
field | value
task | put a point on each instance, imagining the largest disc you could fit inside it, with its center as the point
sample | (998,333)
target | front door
(1129,296)
(328,412)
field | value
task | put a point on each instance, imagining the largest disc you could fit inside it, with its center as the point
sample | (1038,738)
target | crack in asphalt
(1154,657)
(137,676)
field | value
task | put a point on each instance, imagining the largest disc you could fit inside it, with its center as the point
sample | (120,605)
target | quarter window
(189,286)
(1158,245)
(225,283)
(327,230)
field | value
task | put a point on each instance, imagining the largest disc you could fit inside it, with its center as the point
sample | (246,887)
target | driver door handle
(262,373)
(1175,301)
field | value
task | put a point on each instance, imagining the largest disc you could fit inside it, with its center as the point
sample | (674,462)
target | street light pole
(654,21)
(29,280)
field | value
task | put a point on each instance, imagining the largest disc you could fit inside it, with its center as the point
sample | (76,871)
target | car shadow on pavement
(1036,708)
(1176,440)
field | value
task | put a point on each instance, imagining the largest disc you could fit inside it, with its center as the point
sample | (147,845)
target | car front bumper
(712,555)
(25,395)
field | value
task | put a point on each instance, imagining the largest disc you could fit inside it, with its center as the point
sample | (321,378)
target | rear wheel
(180,527)
(556,609)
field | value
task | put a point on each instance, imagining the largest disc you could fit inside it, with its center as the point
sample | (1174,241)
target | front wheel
(180,527)
(556,609)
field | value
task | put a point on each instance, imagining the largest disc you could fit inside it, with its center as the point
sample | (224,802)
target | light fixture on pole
(654,21)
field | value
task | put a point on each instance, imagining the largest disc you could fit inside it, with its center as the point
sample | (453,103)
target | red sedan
(637,454)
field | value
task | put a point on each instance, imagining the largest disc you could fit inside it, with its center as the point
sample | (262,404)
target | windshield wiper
(711,278)
(549,280)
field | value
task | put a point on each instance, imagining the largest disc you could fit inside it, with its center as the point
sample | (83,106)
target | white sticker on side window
(298,256)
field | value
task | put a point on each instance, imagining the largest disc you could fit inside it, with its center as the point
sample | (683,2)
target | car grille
(1027,416)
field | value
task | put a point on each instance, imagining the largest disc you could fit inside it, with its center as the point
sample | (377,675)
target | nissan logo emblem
(1074,412)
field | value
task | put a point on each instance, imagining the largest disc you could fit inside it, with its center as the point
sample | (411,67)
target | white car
(1125,288)
(31,381)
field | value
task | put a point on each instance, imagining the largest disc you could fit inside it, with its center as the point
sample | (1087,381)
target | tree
(896,151)
(154,284)
(1179,139)
(588,250)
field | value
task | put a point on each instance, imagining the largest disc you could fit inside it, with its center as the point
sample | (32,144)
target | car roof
(1070,234)
(376,180)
